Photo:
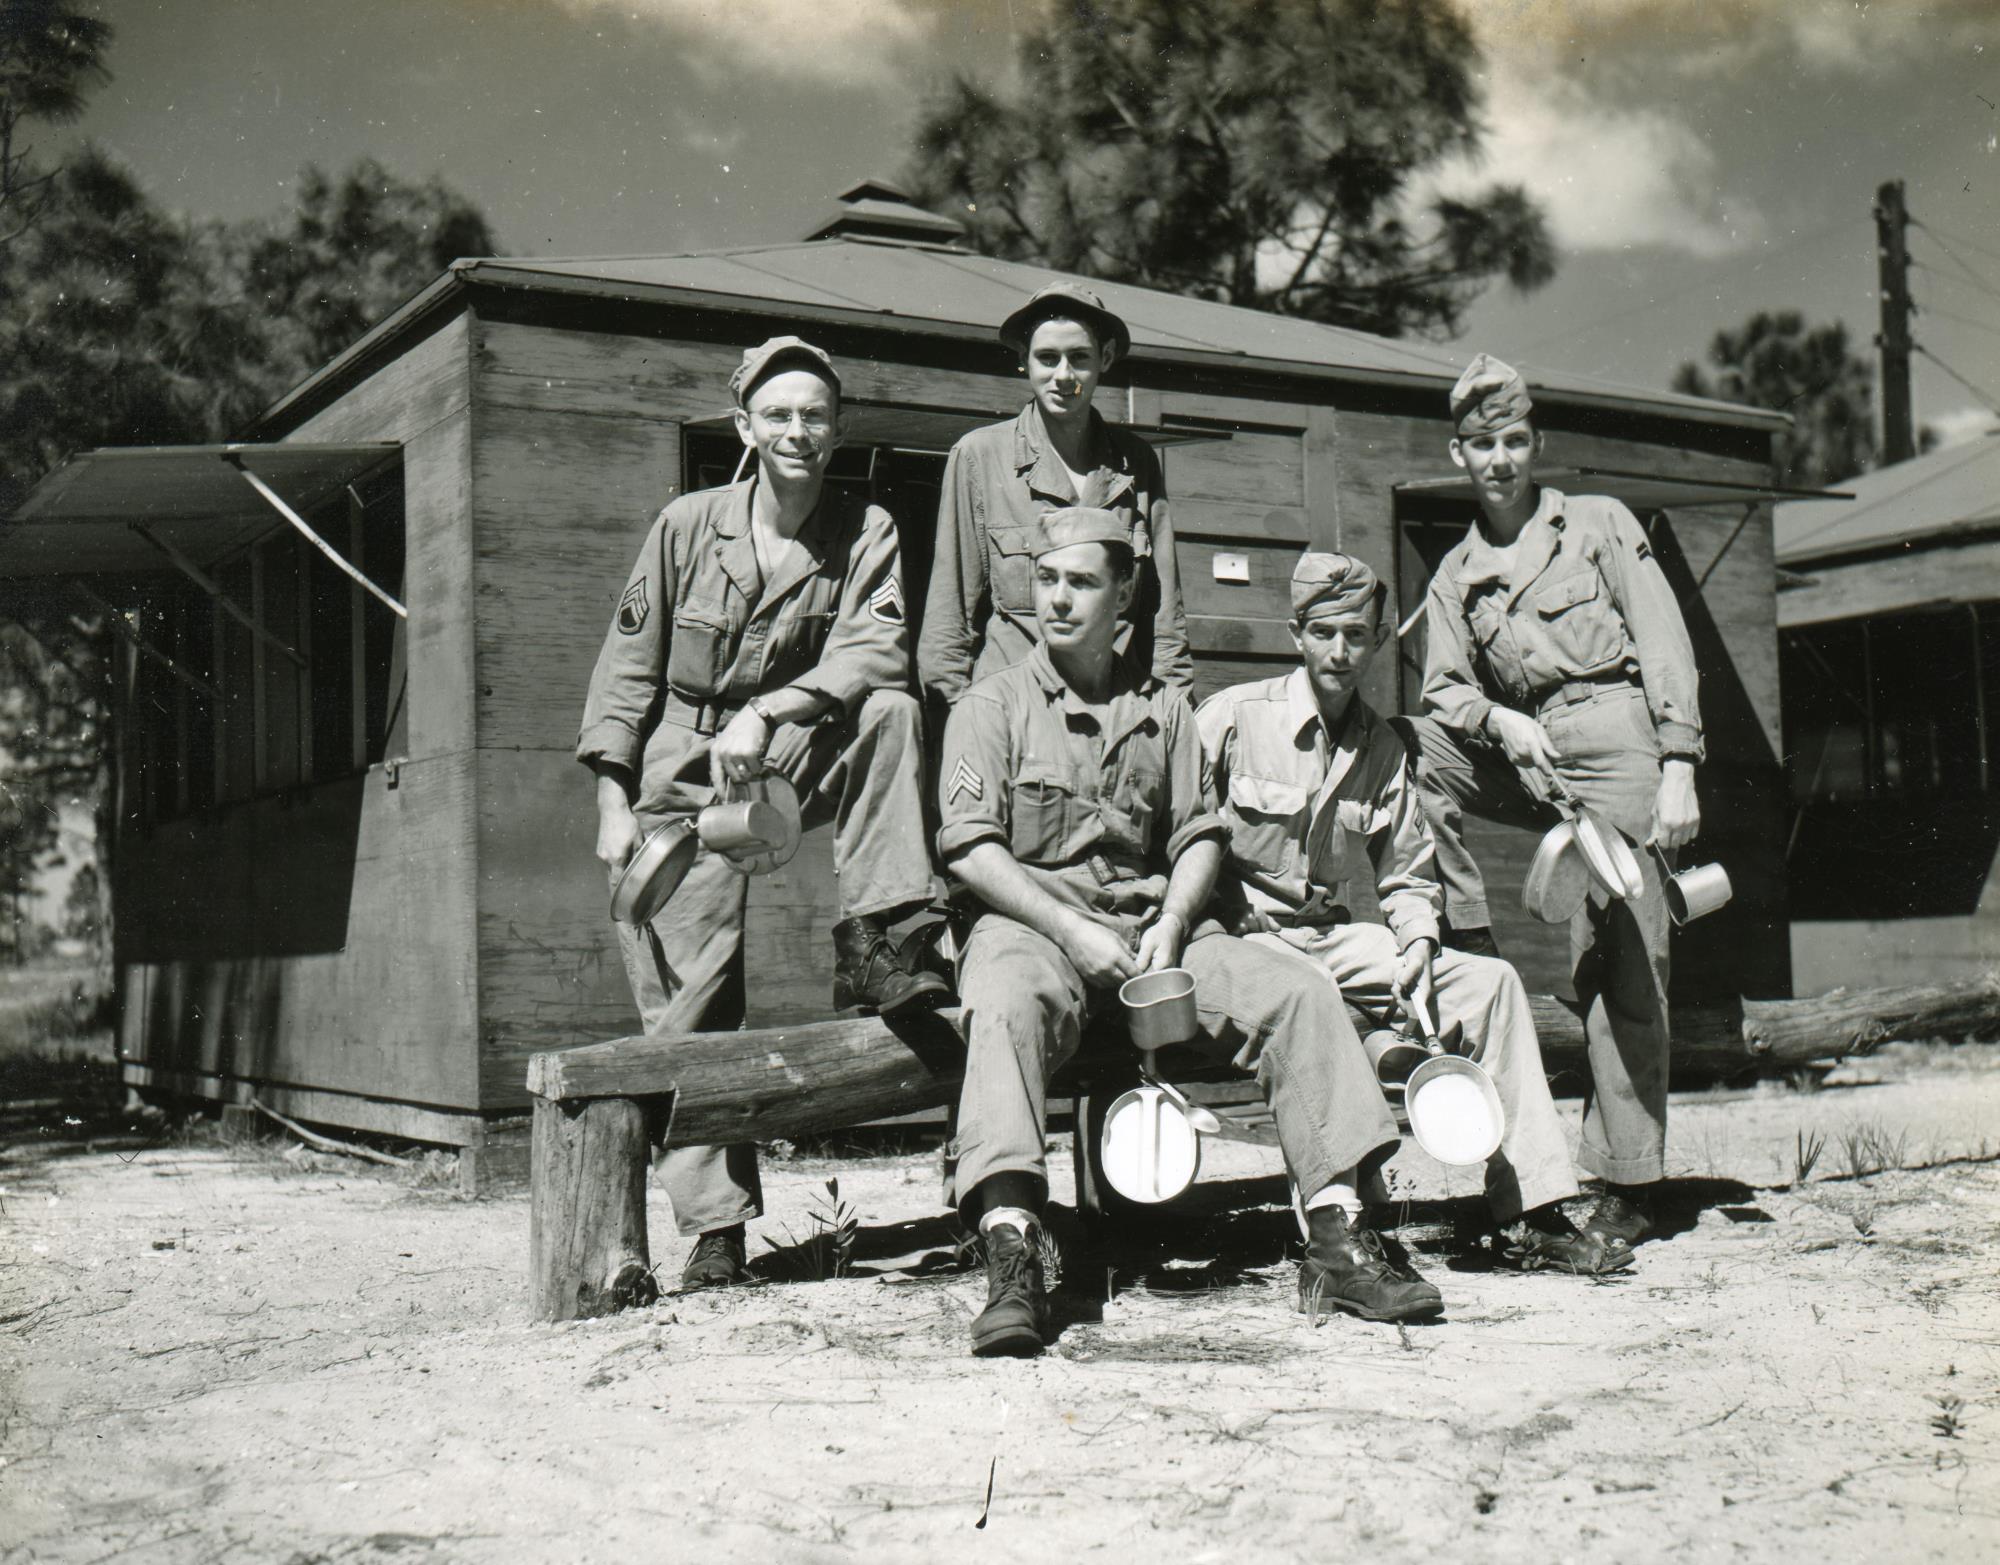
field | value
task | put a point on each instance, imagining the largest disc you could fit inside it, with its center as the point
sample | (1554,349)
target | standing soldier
(1557,650)
(1078,815)
(1317,790)
(762,629)
(979,615)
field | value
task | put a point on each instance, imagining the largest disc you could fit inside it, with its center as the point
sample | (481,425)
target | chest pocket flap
(1268,821)
(1046,813)
(1012,565)
(1561,596)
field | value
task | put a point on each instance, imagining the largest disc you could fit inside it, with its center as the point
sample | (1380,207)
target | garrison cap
(1336,582)
(1490,395)
(1082,524)
(767,357)
(1068,301)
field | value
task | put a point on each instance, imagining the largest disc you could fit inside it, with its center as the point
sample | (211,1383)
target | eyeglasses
(814,421)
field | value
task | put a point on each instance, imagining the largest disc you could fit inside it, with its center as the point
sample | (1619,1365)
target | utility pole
(1899,440)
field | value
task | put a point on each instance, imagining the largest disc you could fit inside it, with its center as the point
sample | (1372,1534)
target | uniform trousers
(686,968)
(1532,1167)
(1609,758)
(1265,1013)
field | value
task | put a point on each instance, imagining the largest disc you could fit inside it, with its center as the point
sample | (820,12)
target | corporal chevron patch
(886,602)
(964,780)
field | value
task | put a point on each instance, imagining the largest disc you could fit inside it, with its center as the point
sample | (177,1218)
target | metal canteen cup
(1159,1008)
(1694,892)
(755,826)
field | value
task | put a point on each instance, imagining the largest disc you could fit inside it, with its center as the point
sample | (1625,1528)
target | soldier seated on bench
(1077,813)
(762,628)
(1317,789)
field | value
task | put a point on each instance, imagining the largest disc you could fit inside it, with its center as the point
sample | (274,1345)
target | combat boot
(869,971)
(1347,1268)
(717,1260)
(1621,1216)
(1015,1322)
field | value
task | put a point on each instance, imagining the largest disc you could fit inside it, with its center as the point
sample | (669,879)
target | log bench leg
(587,1228)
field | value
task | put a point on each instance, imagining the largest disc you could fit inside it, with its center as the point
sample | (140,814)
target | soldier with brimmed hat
(762,629)
(1318,791)
(1002,480)
(1556,650)
(1078,817)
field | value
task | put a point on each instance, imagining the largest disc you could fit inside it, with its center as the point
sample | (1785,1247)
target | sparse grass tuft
(1868,1148)
(1806,1156)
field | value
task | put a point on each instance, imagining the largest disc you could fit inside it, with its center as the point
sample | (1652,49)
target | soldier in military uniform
(1077,813)
(762,628)
(1557,649)
(1317,789)
(979,615)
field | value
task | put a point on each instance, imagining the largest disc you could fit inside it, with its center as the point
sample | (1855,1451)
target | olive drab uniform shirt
(979,614)
(699,631)
(1094,805)
(1308,813)
(1585,600)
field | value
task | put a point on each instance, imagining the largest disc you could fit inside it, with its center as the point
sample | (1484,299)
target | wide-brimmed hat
(1070,301)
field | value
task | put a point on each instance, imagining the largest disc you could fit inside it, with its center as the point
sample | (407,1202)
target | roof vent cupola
(881,209)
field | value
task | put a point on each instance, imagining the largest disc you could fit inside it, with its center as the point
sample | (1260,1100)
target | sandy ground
(222,1353)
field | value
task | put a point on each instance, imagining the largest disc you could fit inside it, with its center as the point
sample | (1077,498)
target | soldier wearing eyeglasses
(762,629)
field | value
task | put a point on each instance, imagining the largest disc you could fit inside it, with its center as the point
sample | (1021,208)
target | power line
(1956,259)
(1978,391)
(1955,238)
(1963,320)
(1957,282)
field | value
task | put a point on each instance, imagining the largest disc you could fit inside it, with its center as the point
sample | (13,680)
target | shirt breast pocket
(1267,819)
(1578,618)
(703,647)
(1011,566)
(797,636)
(1045,813)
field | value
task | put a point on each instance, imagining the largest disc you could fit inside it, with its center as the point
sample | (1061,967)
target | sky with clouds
(1699,159)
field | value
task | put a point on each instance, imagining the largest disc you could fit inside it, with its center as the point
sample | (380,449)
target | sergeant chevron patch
(964,780)
(633,608)
(886,602)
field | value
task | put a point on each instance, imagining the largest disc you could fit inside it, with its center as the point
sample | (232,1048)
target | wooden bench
(600,1109)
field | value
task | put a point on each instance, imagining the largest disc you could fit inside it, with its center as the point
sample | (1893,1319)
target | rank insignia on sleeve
(886,603)
(633,608)
(964,780)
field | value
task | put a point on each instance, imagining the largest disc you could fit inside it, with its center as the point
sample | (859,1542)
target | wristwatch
(756,704)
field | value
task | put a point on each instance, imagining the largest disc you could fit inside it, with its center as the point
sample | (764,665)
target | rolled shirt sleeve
(625,686)
(956,600)
(975,779)
(868,647)
(1404,854)
(1192,809)
(1452,692)
(1659,633)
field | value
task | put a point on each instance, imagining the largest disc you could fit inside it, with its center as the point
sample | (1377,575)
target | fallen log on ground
(598,1106)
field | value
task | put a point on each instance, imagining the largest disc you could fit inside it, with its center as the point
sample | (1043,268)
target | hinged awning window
(131,510)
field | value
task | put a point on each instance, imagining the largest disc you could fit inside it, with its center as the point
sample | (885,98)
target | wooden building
(1889,636)
(353,866)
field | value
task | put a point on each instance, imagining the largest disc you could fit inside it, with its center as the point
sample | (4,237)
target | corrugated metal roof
(1929,497)
(946,291)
